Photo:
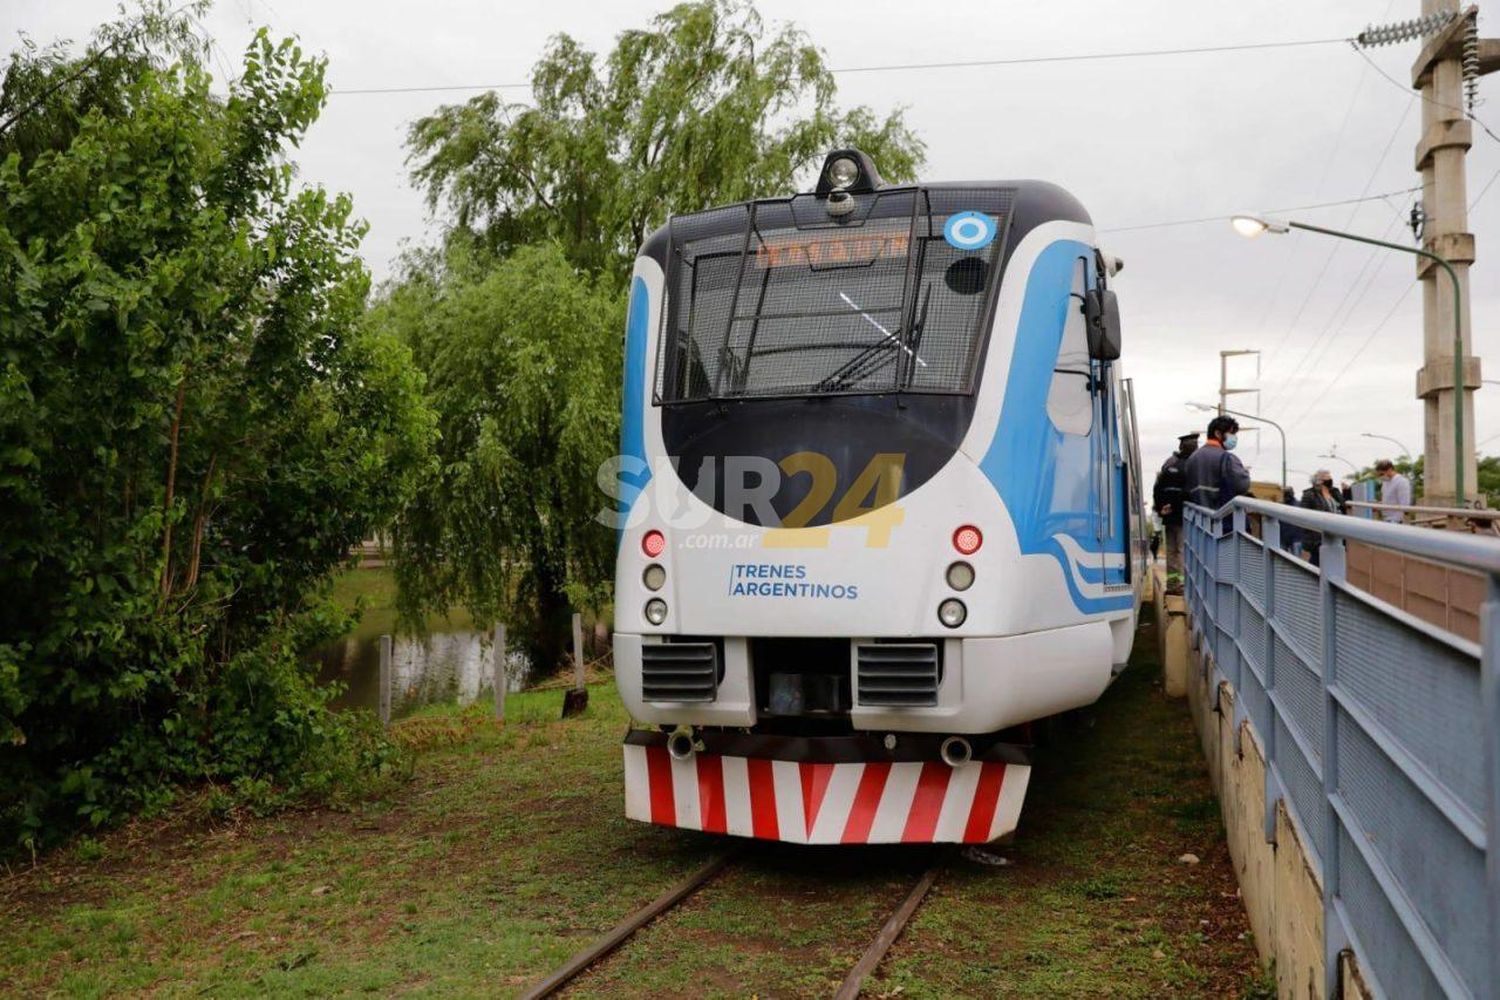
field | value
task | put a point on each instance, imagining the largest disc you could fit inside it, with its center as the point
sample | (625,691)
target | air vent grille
(902,674)
(679,671)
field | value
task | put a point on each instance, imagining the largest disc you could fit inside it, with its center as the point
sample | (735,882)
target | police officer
(1166,499)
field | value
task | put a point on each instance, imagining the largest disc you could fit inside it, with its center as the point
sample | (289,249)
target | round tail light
(967,540)
(653,543)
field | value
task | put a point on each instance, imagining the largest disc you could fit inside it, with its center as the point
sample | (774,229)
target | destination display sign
(834,249)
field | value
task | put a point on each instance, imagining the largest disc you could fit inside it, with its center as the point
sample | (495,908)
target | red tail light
(653,542)
(967,539)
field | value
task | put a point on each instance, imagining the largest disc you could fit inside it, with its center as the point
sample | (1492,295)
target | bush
(195,427)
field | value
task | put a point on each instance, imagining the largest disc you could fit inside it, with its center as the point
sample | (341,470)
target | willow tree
(703,107)
(517,322)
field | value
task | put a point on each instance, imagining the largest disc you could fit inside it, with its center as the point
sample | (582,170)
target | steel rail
(887,937)
(623,930)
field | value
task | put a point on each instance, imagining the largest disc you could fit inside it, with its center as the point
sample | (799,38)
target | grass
(508,852)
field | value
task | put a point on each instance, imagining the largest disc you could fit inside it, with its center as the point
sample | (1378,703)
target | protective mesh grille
(1252,569)
(1304,794)
(1300,696)
(1421,690)
(1384,946)
(1252,686)
(776,299)
(1436,867)
(1224,553)
(1297,608)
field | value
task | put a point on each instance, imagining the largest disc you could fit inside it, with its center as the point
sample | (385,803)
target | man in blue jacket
(1214,476)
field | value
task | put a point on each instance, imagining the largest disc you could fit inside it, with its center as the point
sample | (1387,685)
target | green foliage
(523,365)
(194,429)
(516,322)
(702,108)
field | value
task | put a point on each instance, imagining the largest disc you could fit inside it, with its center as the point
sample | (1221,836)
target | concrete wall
(1282,893)
(1171,633)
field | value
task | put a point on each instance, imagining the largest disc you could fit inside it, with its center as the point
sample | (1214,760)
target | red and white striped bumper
(872,802)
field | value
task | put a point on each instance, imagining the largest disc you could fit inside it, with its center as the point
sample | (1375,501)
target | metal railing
(1381,735)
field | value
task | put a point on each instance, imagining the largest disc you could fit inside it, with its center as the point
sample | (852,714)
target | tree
(194,426)
(700,109)
(521,364)
(517,321)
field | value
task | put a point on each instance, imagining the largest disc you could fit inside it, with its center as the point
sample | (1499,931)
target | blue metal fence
(1381,734)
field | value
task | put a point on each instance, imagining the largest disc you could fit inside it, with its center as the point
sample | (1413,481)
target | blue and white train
(881,497)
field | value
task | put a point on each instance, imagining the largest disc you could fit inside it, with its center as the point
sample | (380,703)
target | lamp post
(1392,440)
(1251,416)
(1340,458)
(1251,226)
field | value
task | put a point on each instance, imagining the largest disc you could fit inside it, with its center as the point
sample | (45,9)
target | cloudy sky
(1141,141)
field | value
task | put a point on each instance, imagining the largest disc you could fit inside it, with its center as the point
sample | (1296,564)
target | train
(879,506)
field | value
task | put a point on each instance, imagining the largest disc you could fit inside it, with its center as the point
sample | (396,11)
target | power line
(1327,261)
(1434,102)
(1355,356)
(905,67)
(1353,300)
(142,23)
(1270,211)
(1484,190)
(1290,258)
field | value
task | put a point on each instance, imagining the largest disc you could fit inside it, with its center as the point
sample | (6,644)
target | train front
(856,553)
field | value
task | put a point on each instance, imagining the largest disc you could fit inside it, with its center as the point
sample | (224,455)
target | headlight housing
(952,612)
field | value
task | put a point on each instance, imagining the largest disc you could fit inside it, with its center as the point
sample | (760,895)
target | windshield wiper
(871,359)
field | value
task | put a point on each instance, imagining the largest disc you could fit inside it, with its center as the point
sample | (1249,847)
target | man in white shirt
(1396,490)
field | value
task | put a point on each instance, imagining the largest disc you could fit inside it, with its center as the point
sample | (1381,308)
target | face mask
(1231,441)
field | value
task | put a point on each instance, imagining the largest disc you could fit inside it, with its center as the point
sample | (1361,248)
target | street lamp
(1251,226)
(1392,440)
(1251,416)
(1340,458)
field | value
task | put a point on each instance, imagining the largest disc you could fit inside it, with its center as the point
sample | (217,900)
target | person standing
(1324,497)
(1167,498)
(1213,475)
(1395,490)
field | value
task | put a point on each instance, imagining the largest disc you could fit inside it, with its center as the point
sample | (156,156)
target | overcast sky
(1140,141)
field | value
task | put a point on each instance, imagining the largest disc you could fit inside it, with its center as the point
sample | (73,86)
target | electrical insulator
(1405,31)
(1471,64)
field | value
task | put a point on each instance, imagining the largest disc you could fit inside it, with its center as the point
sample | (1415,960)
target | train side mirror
(1102,310)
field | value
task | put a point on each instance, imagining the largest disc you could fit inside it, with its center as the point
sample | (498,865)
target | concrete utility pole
(1447,134)
(1224,390)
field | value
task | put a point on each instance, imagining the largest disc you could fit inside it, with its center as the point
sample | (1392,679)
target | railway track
(622,932)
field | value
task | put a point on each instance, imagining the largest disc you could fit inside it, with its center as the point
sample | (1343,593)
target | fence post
(1489,697)
(578,681)
(502,675)
(385,680)
(1332,569)
(1270,541)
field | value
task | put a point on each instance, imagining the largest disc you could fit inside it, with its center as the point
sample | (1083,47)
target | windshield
(775,298)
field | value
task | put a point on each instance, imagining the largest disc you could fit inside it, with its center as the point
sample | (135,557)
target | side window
(1069,404)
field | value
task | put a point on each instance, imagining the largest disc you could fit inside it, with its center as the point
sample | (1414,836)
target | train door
(1110,479)
(1135,511)
(1110,491)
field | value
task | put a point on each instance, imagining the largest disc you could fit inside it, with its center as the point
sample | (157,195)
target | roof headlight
(843,171)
